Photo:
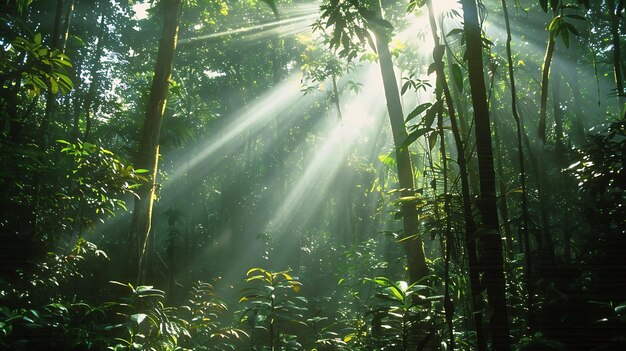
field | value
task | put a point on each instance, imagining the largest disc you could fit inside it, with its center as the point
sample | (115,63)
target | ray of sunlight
(359,116)
(295,24)
(250,119)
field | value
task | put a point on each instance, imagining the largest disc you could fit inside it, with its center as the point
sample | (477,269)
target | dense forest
(312,175)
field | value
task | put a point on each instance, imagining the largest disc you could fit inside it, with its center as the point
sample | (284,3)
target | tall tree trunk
(414,248)
(447,301)
(617,48)
(545,78)
(44,128)
(519,129)
(148,153)
(336,97)
(489,237)
(66,26)
(503,200)
(470,224)
(559,147)
(95,81)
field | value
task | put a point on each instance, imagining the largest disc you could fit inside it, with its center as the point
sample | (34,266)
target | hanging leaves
(559,26)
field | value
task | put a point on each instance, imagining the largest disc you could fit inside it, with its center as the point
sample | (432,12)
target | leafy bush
(270,304)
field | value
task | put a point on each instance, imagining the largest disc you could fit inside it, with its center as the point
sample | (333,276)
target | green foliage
(399,308)
(43,69)
(600,175)
(205,329)
(33,313)
(147,324)
(270,302)
(350,21)
(561,26)
(221,175)
(100,177)
(416,84)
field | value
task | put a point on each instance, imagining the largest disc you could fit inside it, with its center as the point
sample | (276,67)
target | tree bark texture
(470,224)
(545,79)
(414,247)
(489,237)
(148,152)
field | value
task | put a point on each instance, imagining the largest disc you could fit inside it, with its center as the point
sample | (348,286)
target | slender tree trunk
(148,152)
(447,301)
(95,80)
(559,151)
(66,26)
(617,48)
(470,224)
(414,248)
(503,201)
(489,237)
(413,245)
(519,129)
(577,135)
(44,128)
(545,77)
(336,97)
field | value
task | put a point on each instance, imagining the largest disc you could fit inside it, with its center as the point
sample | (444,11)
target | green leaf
(429,117)
(554,24)
(572,28)
(138,317)
(458,76)
(418,110)
(565,36)
(54,86)
(396,292)
(410,139)
(405,87)
(272,5)
(554,4)
(544,5)
(432,140)
(432,68)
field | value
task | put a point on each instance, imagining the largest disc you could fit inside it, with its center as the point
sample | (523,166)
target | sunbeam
(251,119)
(360,114)
(294,24)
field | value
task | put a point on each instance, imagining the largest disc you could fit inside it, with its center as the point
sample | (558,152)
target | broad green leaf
(418,110)
(410,139)
(429,117)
